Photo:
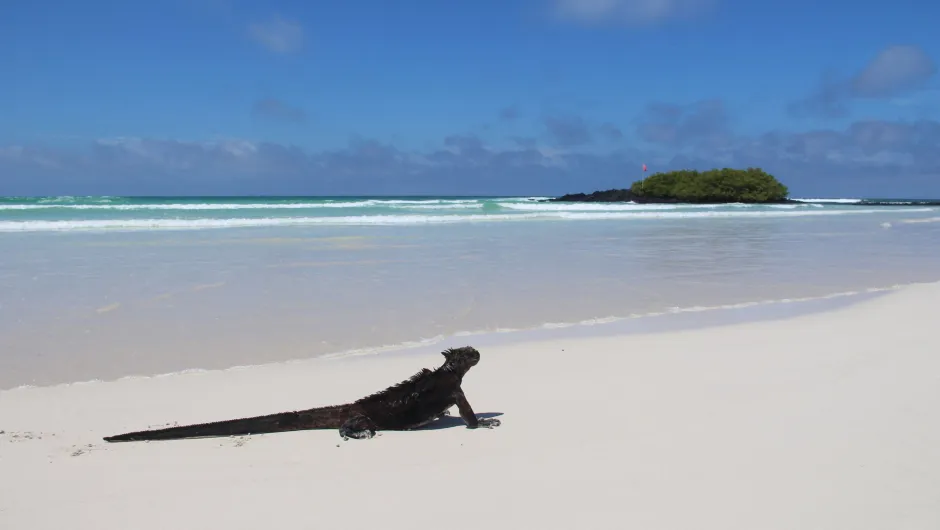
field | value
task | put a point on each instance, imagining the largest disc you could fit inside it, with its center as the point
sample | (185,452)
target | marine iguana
(415,402)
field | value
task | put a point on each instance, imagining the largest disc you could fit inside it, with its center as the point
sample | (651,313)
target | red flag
(644,167)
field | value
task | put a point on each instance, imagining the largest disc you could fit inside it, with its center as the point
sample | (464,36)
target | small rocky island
(715,186)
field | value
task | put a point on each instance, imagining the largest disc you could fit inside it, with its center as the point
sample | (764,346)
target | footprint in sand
(22,436)
(79,450)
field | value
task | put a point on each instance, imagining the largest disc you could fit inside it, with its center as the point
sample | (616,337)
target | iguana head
(461,359)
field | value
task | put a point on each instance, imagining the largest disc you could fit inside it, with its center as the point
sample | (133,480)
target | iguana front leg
(429,421)
(471,419)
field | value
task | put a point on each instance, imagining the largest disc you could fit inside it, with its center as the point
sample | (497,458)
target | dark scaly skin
(415,402)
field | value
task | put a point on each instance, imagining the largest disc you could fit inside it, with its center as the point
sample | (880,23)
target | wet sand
(84,306)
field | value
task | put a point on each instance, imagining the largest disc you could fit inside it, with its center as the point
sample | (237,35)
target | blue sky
(485,97)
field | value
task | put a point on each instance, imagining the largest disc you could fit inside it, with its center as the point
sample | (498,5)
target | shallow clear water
(132,296)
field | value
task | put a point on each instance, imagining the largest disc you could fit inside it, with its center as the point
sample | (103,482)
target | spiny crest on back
(398,391)
(457,360)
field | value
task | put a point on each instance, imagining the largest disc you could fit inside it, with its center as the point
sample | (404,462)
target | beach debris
(21,436)
(82,450)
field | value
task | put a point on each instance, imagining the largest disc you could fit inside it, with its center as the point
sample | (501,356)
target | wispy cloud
(510,113)
(275,109)
(869,157)
(629,12)
(568,131)
(894,71)
(703,124)
(278,34)
(610,131)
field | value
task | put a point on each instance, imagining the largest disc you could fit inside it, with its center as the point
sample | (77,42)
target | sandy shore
(824,421)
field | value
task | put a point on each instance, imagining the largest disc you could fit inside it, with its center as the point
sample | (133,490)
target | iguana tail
(325,418)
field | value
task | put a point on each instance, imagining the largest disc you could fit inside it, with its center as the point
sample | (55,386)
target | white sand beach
(824,421)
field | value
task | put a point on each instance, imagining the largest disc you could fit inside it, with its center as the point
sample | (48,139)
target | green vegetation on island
(751,185)
(715,185)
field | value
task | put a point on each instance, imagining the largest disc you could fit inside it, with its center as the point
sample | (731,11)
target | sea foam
(399,220)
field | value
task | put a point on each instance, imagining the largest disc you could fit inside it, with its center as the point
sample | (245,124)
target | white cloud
(632,12)
(894,70)
(278,34)
(11,151)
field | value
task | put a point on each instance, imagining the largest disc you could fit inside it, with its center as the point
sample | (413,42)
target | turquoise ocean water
(106,287)
(152,213)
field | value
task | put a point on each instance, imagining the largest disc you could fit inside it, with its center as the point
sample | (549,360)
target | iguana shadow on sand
(413,403)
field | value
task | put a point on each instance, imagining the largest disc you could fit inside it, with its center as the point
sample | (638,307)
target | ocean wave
(834,201)
(70,199)
(875,202)
(923,220)
(452,206)
(715,214)
(394,220)
(900,202)
(422,201)
(607,206)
